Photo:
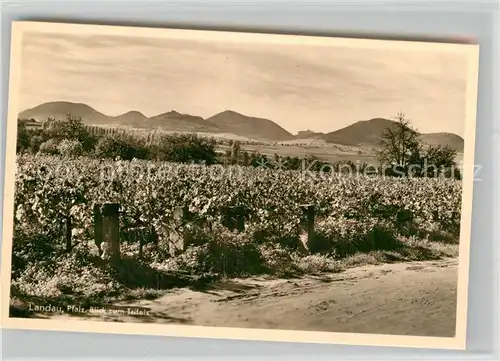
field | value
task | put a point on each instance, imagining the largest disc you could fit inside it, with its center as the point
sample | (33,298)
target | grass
(420,251)
(138,281)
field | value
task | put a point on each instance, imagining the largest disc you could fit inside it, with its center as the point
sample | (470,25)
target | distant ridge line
(360,133)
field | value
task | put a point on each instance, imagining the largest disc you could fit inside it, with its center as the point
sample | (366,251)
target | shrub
(120,146)
(69,147)
(233,254)
(277,260)
(35,142)
(72,275)
(30,248)
(349,236)
(315,263)
(49,147)
(193,260)
(219,252)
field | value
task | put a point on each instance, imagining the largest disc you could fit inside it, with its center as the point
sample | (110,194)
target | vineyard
(354,214)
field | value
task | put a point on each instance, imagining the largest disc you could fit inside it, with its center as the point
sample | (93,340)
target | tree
(186,148)
(235,151)
(23,139)
(246,159)
(402,150)
(439,160)
(400,146)
(72,128)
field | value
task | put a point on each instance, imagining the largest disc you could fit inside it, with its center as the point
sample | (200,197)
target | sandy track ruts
(417,298)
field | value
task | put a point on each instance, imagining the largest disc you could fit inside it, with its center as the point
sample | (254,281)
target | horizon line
(226,110)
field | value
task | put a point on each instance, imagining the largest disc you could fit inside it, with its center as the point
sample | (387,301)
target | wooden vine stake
(107,230)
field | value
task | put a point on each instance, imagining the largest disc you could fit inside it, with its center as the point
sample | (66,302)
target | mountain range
(368,132)
(361,133)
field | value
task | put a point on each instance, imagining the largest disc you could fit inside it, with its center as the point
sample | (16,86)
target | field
(321,150)
(308,147)
(357,220)
(301,148)
(330,153)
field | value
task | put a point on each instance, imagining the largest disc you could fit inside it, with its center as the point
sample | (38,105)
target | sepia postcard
(238,185)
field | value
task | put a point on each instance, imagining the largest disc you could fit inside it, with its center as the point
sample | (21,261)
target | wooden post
(98,234)
(187,222)
(240,218)
(111,230)
(98,231)
(240,223)
(154,238)
(179,236)
(235,218)
(309,219)
(141,243)
(68,234)
(308,225)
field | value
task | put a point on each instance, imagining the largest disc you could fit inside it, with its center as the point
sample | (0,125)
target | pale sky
(297,86)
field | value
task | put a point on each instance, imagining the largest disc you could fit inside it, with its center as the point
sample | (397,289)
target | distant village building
(305,133)
(33,124)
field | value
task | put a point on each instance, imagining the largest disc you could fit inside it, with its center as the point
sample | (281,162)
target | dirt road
(416,298)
